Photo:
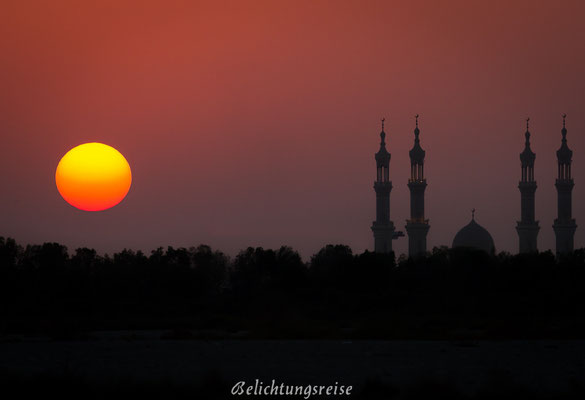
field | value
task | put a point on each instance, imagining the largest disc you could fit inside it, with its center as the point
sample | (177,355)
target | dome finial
(474,236)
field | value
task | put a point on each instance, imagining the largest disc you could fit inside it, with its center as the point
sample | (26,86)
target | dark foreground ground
(191,323)
(152,365)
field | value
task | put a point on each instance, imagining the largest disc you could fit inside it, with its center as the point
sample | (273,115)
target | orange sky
(255,123)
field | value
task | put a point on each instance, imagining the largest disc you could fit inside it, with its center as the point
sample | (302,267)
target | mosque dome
(475,236)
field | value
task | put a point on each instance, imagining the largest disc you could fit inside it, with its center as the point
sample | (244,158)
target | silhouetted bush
(259,270)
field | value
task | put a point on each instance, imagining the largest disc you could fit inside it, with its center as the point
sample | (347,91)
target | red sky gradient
(253,123)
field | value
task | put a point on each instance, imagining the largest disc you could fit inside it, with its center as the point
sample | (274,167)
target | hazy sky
(253,123)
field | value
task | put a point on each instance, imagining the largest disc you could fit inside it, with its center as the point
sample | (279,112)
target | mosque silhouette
(473,235)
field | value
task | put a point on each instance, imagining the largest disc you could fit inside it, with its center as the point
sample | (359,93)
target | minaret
(382,227)
(527,227)
(564,225)
(417,226)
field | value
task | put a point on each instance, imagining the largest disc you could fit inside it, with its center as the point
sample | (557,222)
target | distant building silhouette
(417,226)
(474,236)
(564,226)
(382,227)
(527,227)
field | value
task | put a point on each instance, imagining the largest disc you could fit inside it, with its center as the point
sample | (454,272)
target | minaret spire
(382,134)
(417,226)
(564,225)
(416,130)
(527,227)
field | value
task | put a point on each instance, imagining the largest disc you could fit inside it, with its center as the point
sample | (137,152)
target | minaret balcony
(565,182)
(570,223)
(528,224)
(414,221)
(383,185)
(527,186)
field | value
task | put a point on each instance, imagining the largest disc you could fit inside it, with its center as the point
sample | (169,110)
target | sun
(93,177)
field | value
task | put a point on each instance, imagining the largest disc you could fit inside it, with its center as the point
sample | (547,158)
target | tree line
(274,293)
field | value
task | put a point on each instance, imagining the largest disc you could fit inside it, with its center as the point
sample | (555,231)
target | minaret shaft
(564,199)
(417,226)
(527,227)
(383,227)
(564,225)
(382,201)
(527,196)
(417,200)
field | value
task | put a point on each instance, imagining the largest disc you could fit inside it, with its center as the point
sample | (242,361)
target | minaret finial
(564,130)
(383,134)
(473,214)
(416,131)
(527,127)
(564,116)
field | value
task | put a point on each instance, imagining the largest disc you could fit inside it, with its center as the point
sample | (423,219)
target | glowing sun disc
(93,177)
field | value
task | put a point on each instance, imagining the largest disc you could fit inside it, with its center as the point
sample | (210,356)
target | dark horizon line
(71,252)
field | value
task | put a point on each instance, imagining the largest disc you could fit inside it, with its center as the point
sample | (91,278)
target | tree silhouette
(273,293)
